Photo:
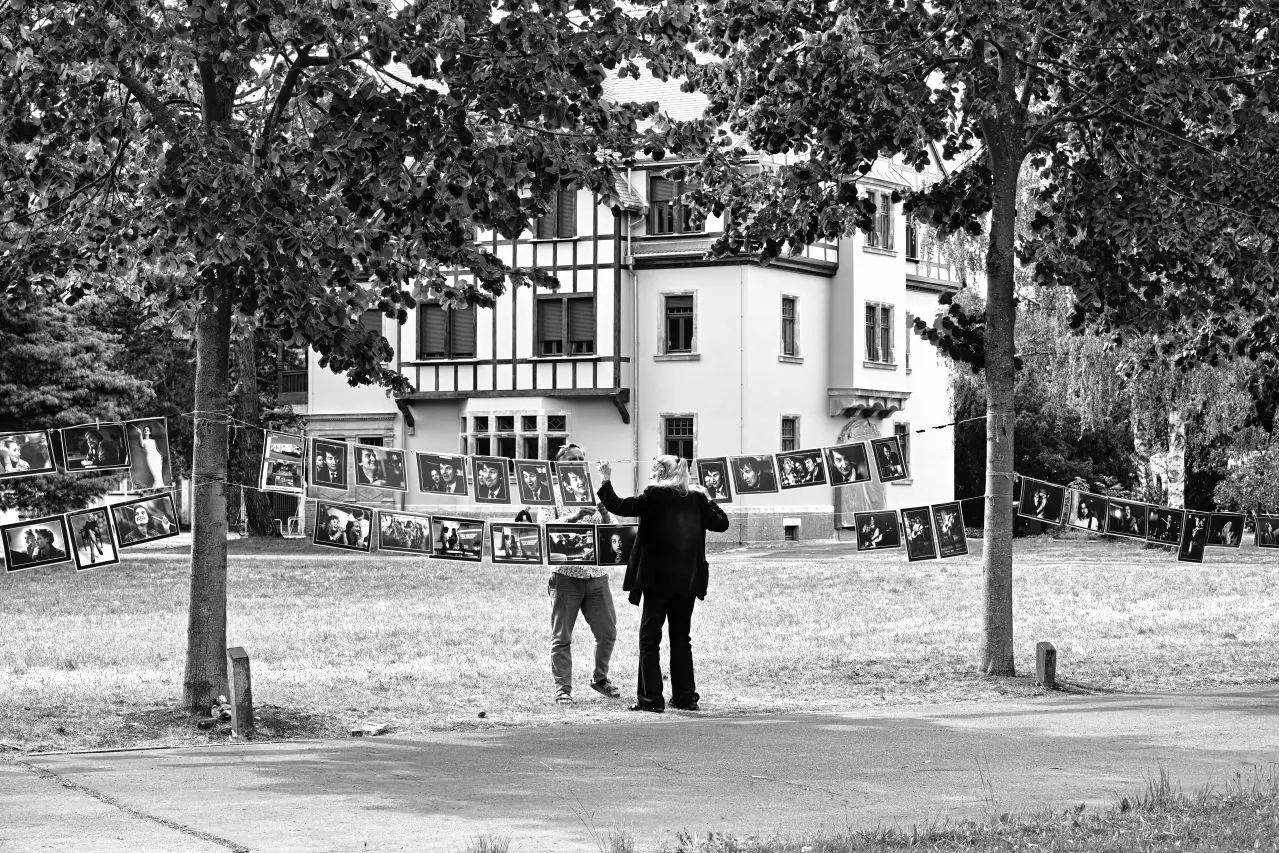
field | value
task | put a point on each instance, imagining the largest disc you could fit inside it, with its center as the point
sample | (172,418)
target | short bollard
(1046,664)
(241,692)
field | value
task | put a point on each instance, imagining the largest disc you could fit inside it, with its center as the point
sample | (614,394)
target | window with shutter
(550,326)
(462,332)
(581,324)
(561,220)
(432,331)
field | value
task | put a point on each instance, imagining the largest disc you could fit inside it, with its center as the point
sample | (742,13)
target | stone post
(241,692)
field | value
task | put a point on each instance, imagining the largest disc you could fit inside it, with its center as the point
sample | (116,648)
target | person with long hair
(667,572)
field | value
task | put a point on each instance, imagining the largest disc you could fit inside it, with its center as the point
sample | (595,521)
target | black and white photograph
(1126,518)
(533,478)
(1087,511)
(145,519)
(492,485)
(282,475)
(753,475)
(328,464)
(1041,501)
(283,456)
(1194,537)
(24,454)
(149,463)
(1268,531)
(92,538)
(712,473)
(36,542)
(948,521)
(848,463)
(341,525)
(513,542)
(570,543)
(457,538)
(798,468)
(575,484)
(405,532)
(615,543)
(917,526)
(1163,525)
(95,447)
(1225,530)
(285,445)
(878,530)
(441,474)
(890,462)
(380,467)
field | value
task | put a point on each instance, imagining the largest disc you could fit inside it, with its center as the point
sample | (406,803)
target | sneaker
(606,687)
(563,696)
(644,706)
(688,706)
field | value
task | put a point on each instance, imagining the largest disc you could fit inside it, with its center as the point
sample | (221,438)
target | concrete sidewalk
(564,787)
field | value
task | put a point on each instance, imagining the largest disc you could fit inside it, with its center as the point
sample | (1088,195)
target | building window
(910,322)
(566,325)
(513,436)
(445,332)
(881,236)
(879,333)
(912,240)
(561,219)
(902,431)
(371,321)
(293,381)
(371,440)
(790,345)
(679,323)
(668,212)
(790,433)
(677,436)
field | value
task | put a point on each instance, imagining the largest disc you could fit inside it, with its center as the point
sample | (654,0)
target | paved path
(563,787)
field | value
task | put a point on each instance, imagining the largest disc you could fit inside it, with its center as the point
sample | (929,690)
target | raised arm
(628,507)
(713,517)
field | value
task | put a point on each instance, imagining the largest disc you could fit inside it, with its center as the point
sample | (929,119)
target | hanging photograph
(1087,511)
(575,484)
(1126,518)
(457,538)
(801,468)
(1041,501)
(24,454)
(145,519)
(848,463)
(441,474)
(281,475)
(570,544)
(36,542)
(948,520)
(1164,525)
(1225,530)
(877,530)
(92,538)
(712,473)
(95,447)
(328,464)
(345,526)
(889,460)
(615,543)
(406,532)
(149,466)
(917,524)
(1194,536)
(491,483)
(753,475)
(533,477)
(380,467)
(516,542)
(1016,489)
(283,455)
(1268,531)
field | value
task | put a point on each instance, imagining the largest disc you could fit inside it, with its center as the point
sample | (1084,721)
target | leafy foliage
(1250,483)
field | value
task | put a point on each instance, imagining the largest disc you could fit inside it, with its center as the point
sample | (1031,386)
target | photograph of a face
(35,542)
(345,526)
(406,532)
(516,542)
(570,543)
(1087,511)
(1164,525)
(1194,536)
(1041,501)
(575,484)
(97,447)
(753,475)
(1268,531)
(890,462)
(877,530)
(712,473)
(615,543)
(1126,518)
(283,456)
(801,468)
(917,523)
(458,539)
(145,519)
(149,466)
(92,539)
(848,463)
(380,467)
(1225,530)
(533,478)
(948,520)
(441,474)
(491,483)
(23,454)
(328,464)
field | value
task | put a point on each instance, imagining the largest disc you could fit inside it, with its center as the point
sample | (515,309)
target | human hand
(697,487)
(606,470)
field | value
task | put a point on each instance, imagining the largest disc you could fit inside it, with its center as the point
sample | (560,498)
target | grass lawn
(95,659)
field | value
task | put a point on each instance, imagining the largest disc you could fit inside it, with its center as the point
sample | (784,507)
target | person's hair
(570,453)
(671,471)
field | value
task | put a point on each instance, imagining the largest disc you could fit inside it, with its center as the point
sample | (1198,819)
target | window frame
(796,355)
(565,318)
(875,336)
(451,317)
(551,221)
(793,422)
(880,238)
(664,436)
(680,212)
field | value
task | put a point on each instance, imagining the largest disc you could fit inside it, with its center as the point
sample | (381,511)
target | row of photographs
(572,485)
(1191,531)
(140,446)
(90,537)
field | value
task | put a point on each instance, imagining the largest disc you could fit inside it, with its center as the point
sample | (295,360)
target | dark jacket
(669,556)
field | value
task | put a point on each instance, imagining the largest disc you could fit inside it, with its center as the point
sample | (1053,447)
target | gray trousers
(593,598)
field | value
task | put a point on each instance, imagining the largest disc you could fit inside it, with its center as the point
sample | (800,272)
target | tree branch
(160,113)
